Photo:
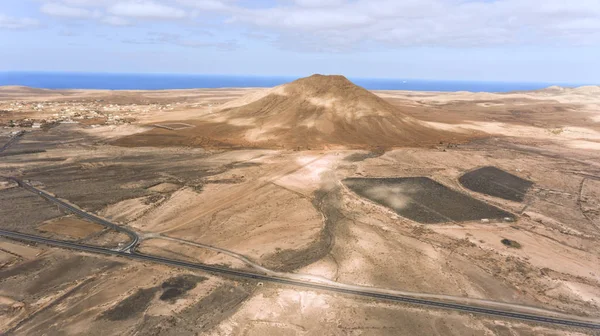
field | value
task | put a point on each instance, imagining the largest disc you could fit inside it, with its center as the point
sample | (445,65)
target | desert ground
(486,198)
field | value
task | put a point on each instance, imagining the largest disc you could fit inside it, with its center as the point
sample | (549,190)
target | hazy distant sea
(112,81)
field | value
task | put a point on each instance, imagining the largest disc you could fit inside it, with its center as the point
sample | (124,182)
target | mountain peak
(314,112)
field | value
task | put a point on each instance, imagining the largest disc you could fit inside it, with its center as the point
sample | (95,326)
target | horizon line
(291,76)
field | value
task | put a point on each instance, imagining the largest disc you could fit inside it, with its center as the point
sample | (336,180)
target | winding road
(486,307)
(134,238)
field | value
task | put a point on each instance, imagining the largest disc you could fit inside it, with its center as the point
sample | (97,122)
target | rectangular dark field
(424,200)
(496,182)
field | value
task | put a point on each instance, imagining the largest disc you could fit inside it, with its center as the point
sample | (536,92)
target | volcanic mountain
(309,113)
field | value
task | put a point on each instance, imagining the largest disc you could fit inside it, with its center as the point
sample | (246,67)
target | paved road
(129,252)
(11,141)
(305,278)
(134,239)
(524,309)
(248,275)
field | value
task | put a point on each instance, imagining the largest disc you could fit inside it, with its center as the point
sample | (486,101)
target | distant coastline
(135,81)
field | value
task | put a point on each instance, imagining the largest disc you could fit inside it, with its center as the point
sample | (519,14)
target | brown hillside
(314,112)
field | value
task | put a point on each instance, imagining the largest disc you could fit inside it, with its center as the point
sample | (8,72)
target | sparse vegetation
(557,131)
(177,286)
(131,306)
(511,243)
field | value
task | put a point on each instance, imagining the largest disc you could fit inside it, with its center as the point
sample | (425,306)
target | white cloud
(57,9)
(115,21)
(7,22)
(146,10)
(257,36)
(178,40)
(209,5)
(304,19)
(88,2)
(339,25)
(342,25)
(318,3)
(224,46)
(67,33)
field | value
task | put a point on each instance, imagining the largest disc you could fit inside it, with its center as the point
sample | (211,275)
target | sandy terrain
(266,196)
(185,252)
(19,250)
(291,312)
(70,226)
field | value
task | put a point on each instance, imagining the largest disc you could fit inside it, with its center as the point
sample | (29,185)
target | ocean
(122,81)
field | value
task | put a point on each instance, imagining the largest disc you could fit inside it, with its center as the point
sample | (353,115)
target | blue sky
(501,40)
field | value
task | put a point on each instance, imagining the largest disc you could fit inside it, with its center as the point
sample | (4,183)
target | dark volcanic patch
(27,267)
(64,270)
(226,181)
(424,200)
(116,179)
(358,157)
(327,202)
(49,275)
(112,178)
(17,210)
(170,294)
(510,243)
(133,305)
(202,316)
(177,286)
(23,152)
(496,182)
(55,302)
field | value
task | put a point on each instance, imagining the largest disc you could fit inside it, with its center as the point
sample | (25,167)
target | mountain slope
(313,112)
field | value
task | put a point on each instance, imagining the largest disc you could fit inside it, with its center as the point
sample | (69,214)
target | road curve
(248,275)
(130,248)
(134,238)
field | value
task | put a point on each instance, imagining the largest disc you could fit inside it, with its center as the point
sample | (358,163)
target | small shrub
(556,131)
(511,243)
